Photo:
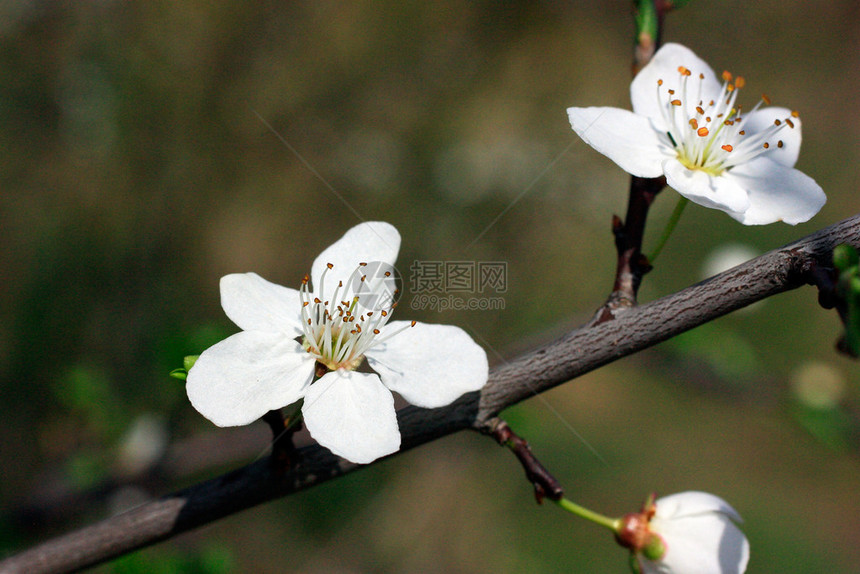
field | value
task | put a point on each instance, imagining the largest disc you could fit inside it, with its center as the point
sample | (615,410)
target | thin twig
(544,483)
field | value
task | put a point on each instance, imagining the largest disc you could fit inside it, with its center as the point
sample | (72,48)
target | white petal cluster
(307,343)
(700,535)
(687,125)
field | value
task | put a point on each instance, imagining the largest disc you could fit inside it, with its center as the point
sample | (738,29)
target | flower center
(338,332)
(711,136)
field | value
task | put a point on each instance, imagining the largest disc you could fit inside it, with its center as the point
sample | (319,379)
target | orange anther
(694,124)
(727,147)
(675,102)
(727,76)
(765,99)
(702,132)
(789,122)
(740,82)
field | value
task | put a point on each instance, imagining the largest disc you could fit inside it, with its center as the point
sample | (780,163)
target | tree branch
(574,354)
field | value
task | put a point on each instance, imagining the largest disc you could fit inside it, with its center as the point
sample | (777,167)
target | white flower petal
(630,140)
(776,193)
(255,304)
(763,119)
(240,379)
(700,534)
(692,503)
(718,192)
(373,241)
(352,415)
(429,365)
(664,66)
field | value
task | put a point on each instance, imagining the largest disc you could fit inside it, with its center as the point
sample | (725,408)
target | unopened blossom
(688,125)
(686,533)
(307,344)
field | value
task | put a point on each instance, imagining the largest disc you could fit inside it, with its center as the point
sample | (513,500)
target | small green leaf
(189,361)
(180,374)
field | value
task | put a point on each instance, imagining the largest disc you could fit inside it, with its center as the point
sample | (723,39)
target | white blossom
(699,535)
(687,125)
(308,343)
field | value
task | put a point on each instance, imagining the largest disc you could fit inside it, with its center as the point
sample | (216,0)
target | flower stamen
(711,137)
(333,333)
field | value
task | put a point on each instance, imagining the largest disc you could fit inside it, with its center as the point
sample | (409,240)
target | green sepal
(654,548)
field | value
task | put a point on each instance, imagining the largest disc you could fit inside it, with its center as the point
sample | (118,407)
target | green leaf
(180,374)
(189,361)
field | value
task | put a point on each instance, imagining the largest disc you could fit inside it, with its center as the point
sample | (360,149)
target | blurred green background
(150,148)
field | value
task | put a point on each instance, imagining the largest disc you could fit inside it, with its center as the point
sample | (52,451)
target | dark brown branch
(632,264)
(572,355)
(629,233)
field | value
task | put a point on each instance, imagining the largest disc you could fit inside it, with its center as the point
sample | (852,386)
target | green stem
(647,21)
(610,523)
(670,227)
